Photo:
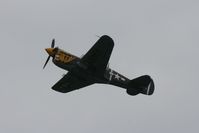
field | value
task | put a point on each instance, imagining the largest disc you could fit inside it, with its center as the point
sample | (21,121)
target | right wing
(69,83)
(98,56)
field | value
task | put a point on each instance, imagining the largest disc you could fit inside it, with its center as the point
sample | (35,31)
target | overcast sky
(155,37)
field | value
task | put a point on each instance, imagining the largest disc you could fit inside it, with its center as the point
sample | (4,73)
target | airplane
(93,68)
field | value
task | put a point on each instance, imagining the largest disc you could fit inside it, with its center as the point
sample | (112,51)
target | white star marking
(117,77)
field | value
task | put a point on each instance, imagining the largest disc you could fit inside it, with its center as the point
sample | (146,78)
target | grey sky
(156,37)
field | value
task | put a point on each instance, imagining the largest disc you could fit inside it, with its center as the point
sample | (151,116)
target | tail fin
(143,84)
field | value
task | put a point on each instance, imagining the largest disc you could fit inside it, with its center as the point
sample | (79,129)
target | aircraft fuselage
(73,64)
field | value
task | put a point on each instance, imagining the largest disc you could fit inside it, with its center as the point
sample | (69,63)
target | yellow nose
(50,51)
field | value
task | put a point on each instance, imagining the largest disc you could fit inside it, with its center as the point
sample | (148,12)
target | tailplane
(143,84)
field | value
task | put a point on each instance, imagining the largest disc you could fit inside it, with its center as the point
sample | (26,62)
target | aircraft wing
(98,56)
(69,83)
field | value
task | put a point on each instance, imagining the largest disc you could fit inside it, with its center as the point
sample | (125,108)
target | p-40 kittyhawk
(93,68)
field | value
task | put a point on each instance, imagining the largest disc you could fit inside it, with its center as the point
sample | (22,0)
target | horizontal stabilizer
(143,84)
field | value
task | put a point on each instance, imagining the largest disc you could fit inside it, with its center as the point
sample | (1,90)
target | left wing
(69,83)
(98,56)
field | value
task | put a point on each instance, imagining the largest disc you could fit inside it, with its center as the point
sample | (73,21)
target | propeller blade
(53,43)
(46,62)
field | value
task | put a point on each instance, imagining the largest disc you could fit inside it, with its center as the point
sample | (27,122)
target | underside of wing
(98,56)
(69,83)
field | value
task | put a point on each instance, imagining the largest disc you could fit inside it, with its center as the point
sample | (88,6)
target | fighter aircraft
(93,68)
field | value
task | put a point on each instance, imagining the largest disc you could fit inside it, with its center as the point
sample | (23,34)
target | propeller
(46,62)
(52,46)
(53,43)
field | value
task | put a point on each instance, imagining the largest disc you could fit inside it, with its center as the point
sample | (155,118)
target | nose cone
(50,51)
